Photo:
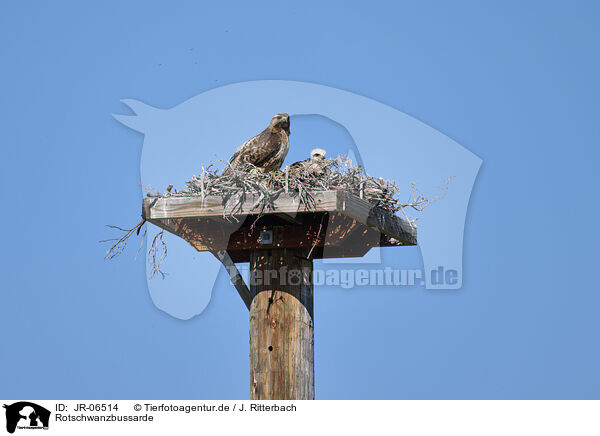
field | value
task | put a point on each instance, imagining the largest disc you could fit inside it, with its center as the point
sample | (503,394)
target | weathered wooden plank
(392,226)
(183,207)
(385,222)
(356,207)
(281,326)
(178,211)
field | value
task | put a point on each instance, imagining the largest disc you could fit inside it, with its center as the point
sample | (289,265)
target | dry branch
(121,243)
(156,253)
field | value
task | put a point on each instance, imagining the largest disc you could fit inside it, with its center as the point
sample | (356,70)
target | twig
(154,259)
(317,238)
(121,243)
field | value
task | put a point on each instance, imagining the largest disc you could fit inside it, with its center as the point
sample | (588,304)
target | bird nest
(302,181)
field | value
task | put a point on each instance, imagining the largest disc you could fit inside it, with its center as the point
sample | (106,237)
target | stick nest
(300,180)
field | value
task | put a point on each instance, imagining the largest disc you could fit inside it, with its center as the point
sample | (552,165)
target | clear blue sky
(514,82)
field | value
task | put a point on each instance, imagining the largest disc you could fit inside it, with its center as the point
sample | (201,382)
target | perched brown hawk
(315,166)
(267,150)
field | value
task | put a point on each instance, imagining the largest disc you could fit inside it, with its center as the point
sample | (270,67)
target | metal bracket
(266,237)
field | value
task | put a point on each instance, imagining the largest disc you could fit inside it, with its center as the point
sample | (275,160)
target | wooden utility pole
(281,325)
(280,245)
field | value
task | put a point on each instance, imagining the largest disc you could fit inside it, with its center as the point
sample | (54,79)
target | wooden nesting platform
(336,224)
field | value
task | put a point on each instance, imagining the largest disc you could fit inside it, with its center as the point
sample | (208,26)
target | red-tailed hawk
(267,150)
(315,166)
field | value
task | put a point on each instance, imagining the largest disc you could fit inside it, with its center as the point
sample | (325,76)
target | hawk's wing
(257,150)
(242,149)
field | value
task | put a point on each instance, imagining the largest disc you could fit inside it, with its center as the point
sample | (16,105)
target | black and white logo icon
(26,415)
